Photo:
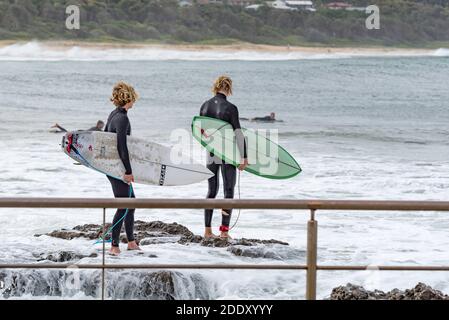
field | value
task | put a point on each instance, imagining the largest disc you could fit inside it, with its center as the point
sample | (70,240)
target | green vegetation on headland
(403,23)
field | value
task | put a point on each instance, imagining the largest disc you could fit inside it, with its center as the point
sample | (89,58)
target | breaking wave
(442,52)
(36,51)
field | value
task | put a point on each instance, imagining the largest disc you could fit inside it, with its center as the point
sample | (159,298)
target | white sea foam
(36,51)
(442,52)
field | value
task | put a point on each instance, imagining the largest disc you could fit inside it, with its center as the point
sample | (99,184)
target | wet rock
(158,240)
(186,240)
(424,292)
(252,242)
(222,243)
(272,251)
(63,256)
(215,242)
(354,292)
(159,226)
(160,285)
(157,232)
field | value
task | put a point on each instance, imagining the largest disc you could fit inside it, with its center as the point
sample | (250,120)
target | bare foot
(115,251)
(225,235)
(208,234)
(133,246)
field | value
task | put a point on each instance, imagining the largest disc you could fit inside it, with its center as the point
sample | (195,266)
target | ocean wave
(442,52)
(36,51)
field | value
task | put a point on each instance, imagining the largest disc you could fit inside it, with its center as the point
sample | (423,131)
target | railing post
(103,275)
(312,252)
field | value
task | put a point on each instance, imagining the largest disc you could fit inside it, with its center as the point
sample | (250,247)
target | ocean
(361,127)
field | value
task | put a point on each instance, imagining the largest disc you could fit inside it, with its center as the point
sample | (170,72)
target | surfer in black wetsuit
(270,118)
(98,127)
(123,96)
(220,108)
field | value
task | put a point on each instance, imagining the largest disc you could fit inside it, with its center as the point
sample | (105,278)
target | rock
(158,226)
(354,292)
(131,284)
(63,256)
(158,240)
(157,232)
(424,292)
(349,292)
(165,232)
(272,251)
(158,286)
(221,243)
(190,239)
(215,242)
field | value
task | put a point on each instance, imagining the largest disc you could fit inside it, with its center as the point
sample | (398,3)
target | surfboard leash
(240,210)
(131,191)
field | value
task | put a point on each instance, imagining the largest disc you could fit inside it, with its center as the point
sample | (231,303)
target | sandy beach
(64,45)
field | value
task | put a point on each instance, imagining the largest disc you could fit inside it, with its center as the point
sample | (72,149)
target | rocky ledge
(158,285)
(420,292)
(157,232)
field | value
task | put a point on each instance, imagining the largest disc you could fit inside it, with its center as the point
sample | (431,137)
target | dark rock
(157,232)
(354,292)
(424,292)
(222,243)
(252,242)
(158,240)
(63,256)
(160,285)
(271,251)
(170,232)
(215,242)
(190,239)
(158,226)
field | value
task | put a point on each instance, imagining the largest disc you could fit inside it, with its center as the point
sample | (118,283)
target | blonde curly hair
(122,94)
(224,84)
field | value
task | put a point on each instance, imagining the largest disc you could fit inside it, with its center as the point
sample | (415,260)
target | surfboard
(266,158)
(152,163)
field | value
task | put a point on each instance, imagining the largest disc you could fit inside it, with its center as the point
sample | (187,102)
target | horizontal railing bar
(384,268)
(224,204)
(221,266)
(152,266)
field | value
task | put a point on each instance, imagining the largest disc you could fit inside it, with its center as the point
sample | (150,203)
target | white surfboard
(152,163)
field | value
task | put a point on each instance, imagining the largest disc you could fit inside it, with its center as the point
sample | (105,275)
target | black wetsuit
(118,122)
(218,107)
(65,130)
(265,119)
(94,129)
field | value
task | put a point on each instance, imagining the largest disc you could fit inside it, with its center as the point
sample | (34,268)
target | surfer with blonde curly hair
(220,108)
(123,97)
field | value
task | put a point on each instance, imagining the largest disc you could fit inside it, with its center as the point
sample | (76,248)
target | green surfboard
(266,158)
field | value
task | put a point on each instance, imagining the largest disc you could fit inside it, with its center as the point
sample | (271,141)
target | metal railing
(311,266)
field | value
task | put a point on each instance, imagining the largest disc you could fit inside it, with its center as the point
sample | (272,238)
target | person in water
(270,118)
(123,97)
(220,108)
(98,127)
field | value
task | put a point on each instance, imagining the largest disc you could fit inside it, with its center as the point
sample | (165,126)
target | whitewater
(36,51)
